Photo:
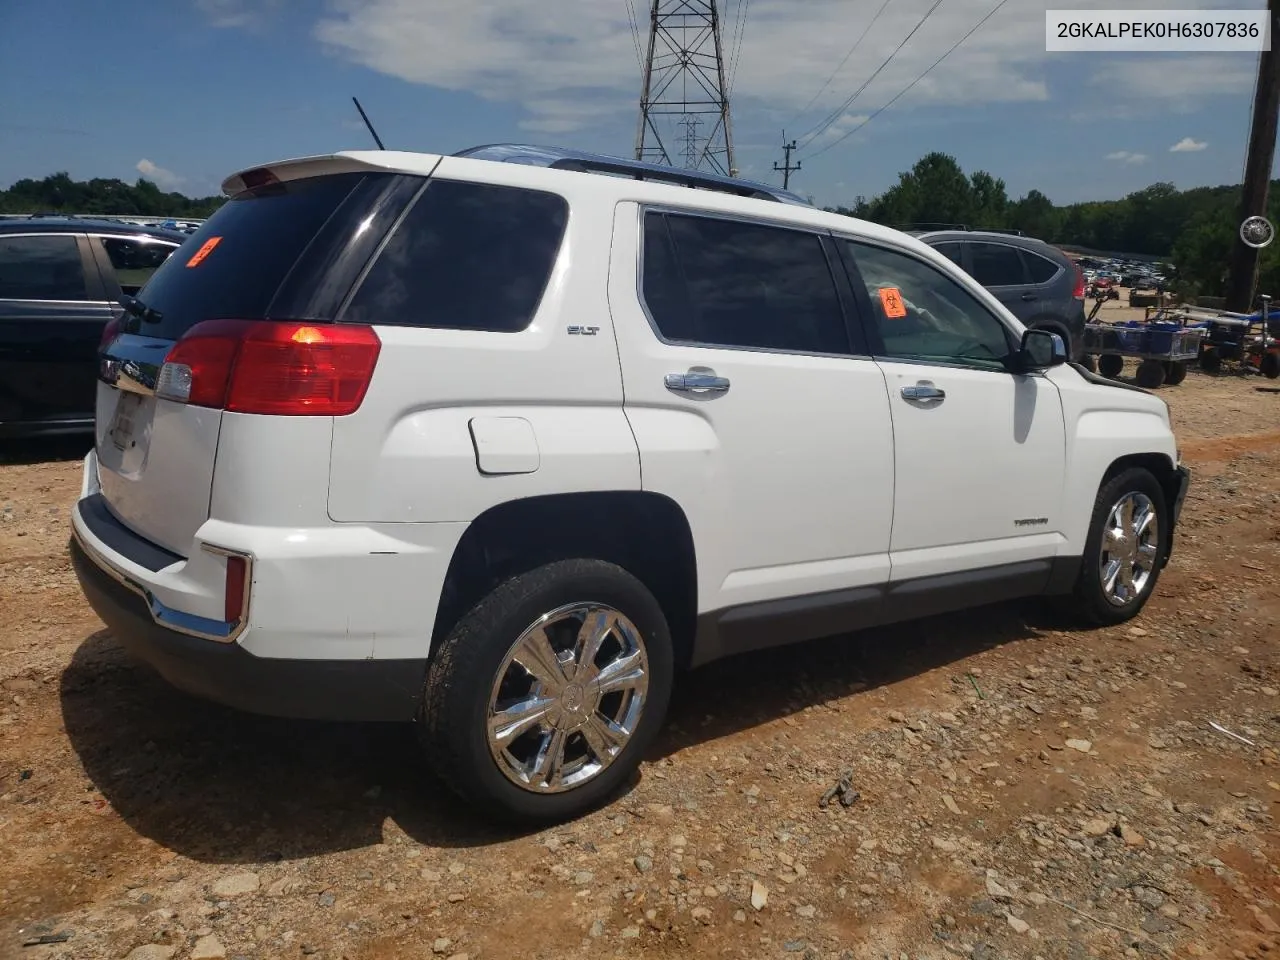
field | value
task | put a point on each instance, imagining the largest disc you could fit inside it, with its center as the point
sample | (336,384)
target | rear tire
(576,724)
(1175,372)
(1089,362)
(1122,557)
(1210,360)
(1150,374)
(1269,365)
(1110,365)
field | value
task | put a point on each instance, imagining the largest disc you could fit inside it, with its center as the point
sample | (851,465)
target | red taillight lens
(233,605)
(285,368)
(109,333)
(1078,292)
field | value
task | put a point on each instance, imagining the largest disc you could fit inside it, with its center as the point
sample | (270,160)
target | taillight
(1078,292)
(284,368)
(233,605)
(109,333)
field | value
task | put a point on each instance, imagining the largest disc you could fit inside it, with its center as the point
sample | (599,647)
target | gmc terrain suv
(498,442)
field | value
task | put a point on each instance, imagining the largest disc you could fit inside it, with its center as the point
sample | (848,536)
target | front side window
(41,268)
(467,256)
(921,314)
(134,261)
(727,283)
(996,265)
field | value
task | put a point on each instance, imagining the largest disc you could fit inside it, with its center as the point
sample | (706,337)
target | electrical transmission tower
(684,78)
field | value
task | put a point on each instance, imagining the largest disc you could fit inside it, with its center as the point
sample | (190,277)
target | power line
(633,20)
(740,33)
(852,50)
(839,111)
(904,90)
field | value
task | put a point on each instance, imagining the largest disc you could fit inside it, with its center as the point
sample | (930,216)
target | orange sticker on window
(205,249)
(891,300)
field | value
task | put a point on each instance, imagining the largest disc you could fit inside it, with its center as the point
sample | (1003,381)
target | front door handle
(1029,297)
(924,391)
(696,382)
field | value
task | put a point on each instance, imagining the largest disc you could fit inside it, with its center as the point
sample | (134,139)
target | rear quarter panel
(409,454)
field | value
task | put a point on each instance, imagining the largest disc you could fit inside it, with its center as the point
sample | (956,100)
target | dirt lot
(1023,790)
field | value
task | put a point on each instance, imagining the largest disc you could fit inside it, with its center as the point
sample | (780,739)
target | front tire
(1123,553)
(543,698)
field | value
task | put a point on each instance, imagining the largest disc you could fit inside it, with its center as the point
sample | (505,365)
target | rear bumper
(229,674)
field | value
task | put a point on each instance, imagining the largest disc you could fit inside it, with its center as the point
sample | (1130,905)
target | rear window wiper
(136,308)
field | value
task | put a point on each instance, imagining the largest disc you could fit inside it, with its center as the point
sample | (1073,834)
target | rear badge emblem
(579,330)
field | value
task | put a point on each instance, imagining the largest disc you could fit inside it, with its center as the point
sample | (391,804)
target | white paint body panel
(786,479)
(159,484)
(971,466)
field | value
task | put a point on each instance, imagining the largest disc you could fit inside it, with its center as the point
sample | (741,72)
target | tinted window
(134,261)
(468,256)
(41,268)
(1041,269)
(725,283)
(951,251)
(233,265)
(923,315)
(996,265)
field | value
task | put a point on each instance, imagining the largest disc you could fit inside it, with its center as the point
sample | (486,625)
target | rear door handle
(696,382)
(1030,296)
(924,391)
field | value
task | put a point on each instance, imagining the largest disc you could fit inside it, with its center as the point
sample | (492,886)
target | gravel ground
(1017,789)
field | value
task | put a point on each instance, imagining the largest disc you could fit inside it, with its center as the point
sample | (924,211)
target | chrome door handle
(696,382)
(924,391)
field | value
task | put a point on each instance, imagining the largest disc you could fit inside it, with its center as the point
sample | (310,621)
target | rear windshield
(233,265)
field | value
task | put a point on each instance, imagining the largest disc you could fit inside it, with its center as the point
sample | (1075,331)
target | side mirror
(1041,349)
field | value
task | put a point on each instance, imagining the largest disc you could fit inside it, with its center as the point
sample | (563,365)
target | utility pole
(1257,172)
(786,167)
(684,79)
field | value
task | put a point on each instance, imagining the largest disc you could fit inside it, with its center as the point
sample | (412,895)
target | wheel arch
(1166,473)
(643,532)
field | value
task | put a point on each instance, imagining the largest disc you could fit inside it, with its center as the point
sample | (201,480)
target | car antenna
(365,118)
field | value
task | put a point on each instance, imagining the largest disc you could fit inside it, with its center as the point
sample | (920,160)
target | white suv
(498,442)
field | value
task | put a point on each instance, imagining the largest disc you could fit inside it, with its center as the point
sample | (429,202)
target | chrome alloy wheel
(1130,548)
(567,697)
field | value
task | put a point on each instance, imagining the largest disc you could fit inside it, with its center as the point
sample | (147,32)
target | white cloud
(1124,156)
(1187,145)
(165,179)
(245,14)
(572,64)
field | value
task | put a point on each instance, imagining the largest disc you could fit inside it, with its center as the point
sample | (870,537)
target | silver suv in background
(1037,282)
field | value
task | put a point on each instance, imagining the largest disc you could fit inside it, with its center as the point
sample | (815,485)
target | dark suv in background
(1037,282)
(62,281)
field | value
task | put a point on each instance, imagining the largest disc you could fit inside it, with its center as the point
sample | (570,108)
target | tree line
(60,194)
(1192,229)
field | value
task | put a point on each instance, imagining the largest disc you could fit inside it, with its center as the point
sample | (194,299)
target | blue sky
(188,91)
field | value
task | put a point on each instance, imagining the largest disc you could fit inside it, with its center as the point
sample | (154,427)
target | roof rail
(958,227)
(557,158)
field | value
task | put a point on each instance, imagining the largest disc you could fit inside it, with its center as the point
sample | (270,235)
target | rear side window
(233,265)
(134,261)
(951,251)
(1041,269)
(996,265)
(726,283)
(467,256)
(41,268)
